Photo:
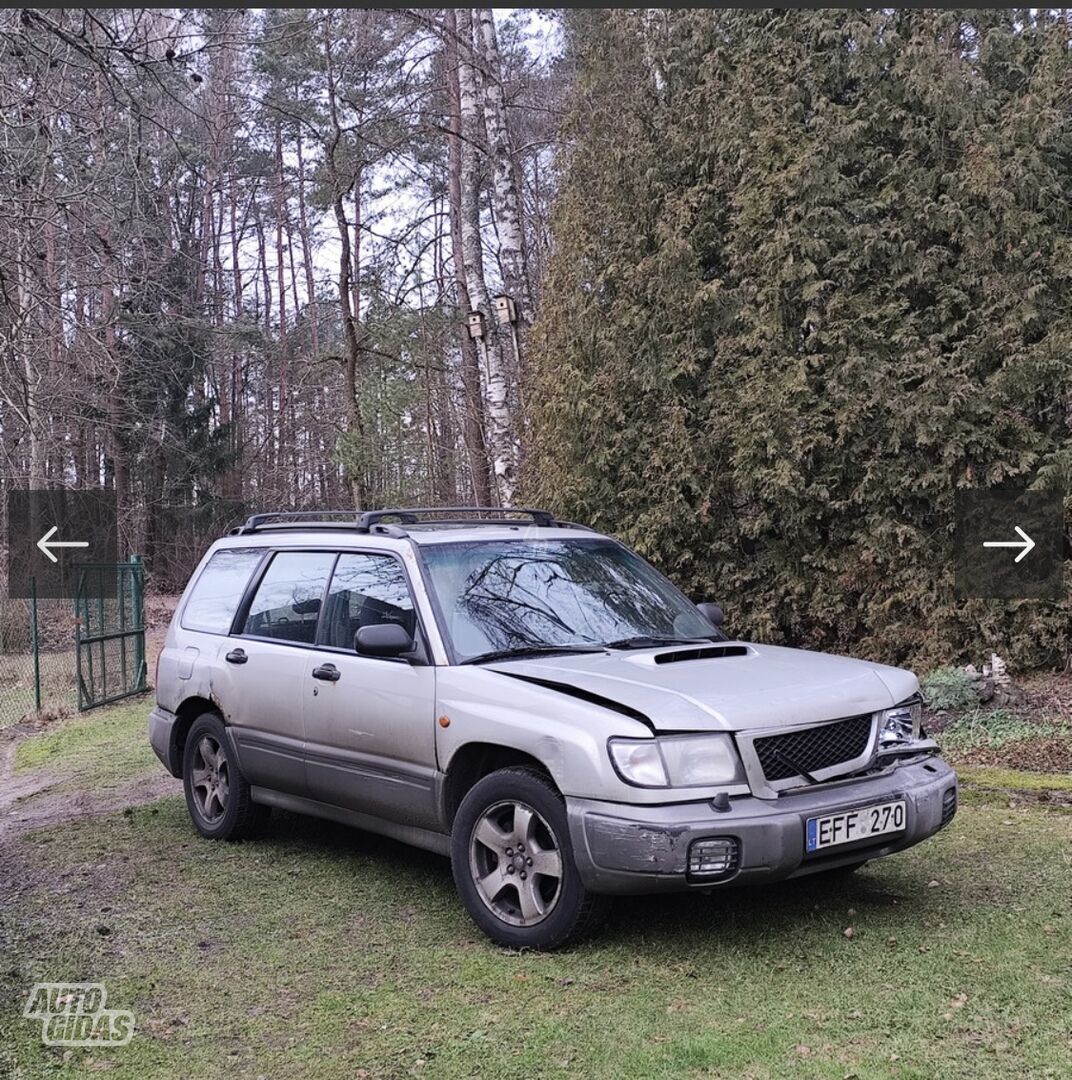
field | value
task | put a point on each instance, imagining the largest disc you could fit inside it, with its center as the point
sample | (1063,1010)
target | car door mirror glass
(383,639)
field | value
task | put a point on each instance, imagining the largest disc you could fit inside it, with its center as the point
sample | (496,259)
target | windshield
(500,595)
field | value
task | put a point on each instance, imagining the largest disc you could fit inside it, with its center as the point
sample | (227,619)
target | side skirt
(408,834)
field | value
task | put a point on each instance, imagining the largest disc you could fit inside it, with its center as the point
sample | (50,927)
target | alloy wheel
(209,779)
(516,863)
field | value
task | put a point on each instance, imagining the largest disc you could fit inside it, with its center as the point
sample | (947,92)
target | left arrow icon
(46,543)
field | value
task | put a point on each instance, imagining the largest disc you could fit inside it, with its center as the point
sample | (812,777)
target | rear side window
(218,591)
(286,606)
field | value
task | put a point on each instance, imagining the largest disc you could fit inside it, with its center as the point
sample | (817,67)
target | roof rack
(393,520)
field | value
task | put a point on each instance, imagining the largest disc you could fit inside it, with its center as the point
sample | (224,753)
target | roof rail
(457,515)
(298,517)
(391,519)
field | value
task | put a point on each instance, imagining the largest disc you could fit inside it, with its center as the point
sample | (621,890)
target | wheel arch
(190,709)
(472,761)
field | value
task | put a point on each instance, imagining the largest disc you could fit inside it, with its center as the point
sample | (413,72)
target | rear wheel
(513,863)
(217,794)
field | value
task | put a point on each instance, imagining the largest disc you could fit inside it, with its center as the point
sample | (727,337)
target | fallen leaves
(958,1002)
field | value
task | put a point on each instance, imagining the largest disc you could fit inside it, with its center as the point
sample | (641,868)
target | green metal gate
(110,632)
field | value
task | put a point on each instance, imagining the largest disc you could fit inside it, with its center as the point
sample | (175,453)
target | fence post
(35,644)
(137,595)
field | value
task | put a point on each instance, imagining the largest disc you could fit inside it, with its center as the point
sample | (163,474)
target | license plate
(832,830)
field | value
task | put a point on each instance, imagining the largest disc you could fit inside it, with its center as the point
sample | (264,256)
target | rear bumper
(162,739)
(633,849)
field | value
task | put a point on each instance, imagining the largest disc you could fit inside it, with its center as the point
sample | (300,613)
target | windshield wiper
(651,641)
(524,651)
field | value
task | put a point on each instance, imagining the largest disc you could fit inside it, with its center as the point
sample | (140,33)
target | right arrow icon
(1026,544)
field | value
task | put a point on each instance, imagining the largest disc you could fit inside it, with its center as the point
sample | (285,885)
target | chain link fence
(37,659)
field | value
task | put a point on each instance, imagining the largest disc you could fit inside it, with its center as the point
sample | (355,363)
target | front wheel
(513,863)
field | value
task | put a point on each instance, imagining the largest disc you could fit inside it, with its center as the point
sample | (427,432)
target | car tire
(513,863)
(217,794)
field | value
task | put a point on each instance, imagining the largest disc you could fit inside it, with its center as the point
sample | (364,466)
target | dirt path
(30,800)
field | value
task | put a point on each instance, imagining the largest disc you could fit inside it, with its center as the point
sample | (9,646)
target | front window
(505,595)
(366,590)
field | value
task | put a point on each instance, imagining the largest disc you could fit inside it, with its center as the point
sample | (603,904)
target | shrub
(947,688)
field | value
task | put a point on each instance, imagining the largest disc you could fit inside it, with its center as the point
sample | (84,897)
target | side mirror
(383,639)
(712,613)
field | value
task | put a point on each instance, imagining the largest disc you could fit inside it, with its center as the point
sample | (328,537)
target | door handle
(236,656)
(327,672)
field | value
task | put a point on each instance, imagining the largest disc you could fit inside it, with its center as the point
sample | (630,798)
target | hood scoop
(704,652)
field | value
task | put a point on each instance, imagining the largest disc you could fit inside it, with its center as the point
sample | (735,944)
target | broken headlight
(900,726)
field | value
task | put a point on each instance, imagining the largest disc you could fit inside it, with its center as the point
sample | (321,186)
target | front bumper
(644,849)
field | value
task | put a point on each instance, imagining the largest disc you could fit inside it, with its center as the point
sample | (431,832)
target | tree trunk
(345,284)
(234,477)
(307,252)
(502,436)
(284,344)
(505,189)
(476,454)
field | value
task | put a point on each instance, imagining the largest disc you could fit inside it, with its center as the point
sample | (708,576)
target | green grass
(324,952)
(105,747)
(995,779)
(992,729)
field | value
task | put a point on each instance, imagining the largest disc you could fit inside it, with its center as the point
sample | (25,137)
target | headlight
(676,761)
(638,762)
(900,725)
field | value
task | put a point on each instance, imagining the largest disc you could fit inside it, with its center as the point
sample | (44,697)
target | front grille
(812,749)
(949,806)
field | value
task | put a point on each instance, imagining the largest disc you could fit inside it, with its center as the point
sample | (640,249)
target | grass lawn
(319,951)
(104,747)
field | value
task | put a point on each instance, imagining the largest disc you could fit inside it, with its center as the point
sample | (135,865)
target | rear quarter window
(218,591)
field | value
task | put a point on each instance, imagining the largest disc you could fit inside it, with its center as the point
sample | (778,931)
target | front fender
(567,735)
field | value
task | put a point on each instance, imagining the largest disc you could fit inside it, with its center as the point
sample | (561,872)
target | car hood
(745,687)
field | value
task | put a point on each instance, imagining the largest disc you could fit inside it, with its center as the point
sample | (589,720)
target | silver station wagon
(535,701)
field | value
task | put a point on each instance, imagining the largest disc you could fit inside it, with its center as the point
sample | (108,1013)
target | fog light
(714,857)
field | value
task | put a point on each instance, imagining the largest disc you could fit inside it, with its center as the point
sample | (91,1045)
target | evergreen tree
(811,278)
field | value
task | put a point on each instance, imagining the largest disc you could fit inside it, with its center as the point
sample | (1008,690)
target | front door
(265,666)
(369,721)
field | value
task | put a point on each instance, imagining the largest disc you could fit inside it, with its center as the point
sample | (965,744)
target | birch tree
(502,429)
(505,186)
(476,454)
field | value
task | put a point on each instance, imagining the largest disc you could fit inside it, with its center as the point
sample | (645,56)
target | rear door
(370,727)
(264,667)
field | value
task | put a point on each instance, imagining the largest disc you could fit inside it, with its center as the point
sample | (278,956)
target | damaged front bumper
(644,849)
